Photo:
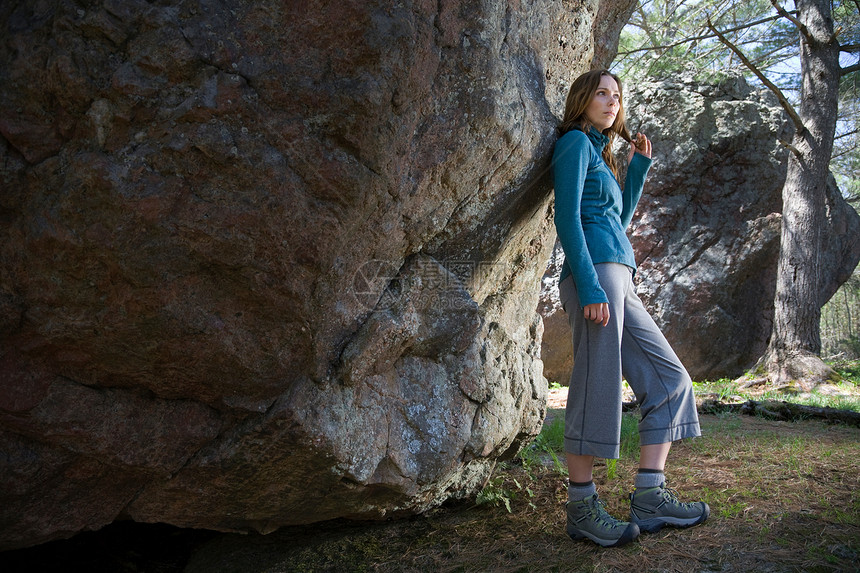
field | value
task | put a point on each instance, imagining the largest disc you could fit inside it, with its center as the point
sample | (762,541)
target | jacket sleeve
(569,167)
(633,184)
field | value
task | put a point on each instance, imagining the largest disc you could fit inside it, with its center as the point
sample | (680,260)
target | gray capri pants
(630,345)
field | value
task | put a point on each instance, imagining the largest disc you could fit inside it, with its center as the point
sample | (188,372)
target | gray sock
(649,478)
(578,491)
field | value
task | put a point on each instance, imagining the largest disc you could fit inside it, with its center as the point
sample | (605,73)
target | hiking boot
(652,508)
(588,518)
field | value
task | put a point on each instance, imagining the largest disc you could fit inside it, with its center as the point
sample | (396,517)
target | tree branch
(800,26)
(849,69)
(847,134)
(791,148)
(704,37)
(840,154)
(783,101)
(850,48)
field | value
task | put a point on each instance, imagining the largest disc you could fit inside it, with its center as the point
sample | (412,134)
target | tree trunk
(795,344)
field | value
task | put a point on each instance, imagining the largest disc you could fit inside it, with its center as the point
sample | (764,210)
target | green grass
(549,443)
(724,389)
(847,398)
(790,455)
(770,467)
(849,371)
(838,402)
(552,435)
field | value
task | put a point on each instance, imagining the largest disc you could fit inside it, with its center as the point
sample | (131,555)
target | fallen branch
(780,410)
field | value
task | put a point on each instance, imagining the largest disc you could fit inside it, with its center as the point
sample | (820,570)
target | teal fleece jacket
(591,211)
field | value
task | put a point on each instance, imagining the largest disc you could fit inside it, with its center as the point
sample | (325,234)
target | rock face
(706,232)
(269,264)
(556,344)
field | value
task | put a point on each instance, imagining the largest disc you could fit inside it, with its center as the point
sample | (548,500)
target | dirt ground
(784,496)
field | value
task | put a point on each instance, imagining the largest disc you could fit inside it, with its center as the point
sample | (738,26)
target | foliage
(845,163)
(551,436)
(502,491)
(840,322)
(666,37)
(495,493)
(548,444)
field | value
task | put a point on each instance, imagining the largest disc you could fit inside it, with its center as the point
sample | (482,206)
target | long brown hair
(578,98)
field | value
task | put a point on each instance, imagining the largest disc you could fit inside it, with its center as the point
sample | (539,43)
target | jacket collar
(597,139)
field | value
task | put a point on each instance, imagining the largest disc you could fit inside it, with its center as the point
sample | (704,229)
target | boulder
(706,234)
(267,263)
(556,343)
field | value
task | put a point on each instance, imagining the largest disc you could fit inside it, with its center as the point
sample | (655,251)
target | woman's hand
(640,144)
(597,312)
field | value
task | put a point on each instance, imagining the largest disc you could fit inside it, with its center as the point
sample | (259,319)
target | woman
(613,335)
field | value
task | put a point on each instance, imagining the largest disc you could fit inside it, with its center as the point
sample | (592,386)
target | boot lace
(597,511)
(671,496)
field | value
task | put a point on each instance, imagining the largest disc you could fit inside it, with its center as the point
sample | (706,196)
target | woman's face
(605,104)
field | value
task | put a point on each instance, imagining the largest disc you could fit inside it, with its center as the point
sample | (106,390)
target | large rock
(706,232)
(269,263)
(556,343)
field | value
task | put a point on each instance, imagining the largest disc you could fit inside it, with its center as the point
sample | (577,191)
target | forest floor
(784,496)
